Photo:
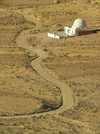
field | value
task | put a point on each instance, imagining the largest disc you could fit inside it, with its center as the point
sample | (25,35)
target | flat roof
(60,34)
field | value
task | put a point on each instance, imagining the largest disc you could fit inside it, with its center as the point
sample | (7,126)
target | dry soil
(74,61)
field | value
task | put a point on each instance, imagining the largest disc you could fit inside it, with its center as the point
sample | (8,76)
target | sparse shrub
(56,1)
(45,49)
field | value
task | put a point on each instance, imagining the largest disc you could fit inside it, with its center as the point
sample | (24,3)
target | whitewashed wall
(52,35)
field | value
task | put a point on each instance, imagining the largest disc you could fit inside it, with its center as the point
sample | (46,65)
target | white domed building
(79,28)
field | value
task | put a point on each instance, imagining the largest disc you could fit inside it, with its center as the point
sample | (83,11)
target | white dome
(79,24)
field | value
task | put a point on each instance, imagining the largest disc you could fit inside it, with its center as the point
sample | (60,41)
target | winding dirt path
(67,100)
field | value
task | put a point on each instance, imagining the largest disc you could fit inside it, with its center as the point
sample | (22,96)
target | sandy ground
(74,61)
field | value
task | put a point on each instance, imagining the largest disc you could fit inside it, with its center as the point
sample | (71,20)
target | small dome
(79,24)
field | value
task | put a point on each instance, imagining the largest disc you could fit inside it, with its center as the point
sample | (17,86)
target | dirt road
(67,100)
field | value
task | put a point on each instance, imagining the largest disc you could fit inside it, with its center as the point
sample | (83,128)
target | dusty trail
(67,100)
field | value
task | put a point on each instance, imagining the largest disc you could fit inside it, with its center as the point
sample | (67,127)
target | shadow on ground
(95,31)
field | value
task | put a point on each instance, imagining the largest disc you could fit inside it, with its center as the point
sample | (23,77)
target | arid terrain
(74,61)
